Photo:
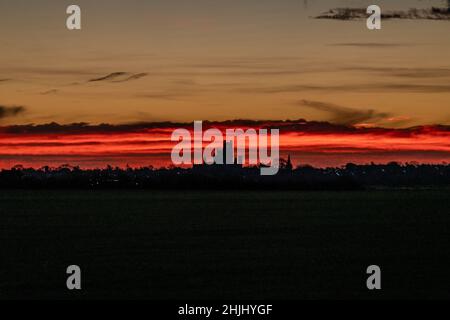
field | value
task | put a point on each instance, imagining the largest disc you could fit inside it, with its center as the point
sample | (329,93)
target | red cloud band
(315,143)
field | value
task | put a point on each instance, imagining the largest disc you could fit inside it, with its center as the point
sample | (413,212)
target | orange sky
(153,61)
(219,60)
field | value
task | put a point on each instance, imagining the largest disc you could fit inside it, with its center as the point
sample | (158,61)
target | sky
(180,61)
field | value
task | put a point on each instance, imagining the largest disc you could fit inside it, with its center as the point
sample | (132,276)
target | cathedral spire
(289,163)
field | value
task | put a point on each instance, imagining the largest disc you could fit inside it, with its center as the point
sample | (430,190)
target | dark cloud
(84,128)
(119,77)
(83,143)
(369,44)
(295,126)
(161,96)
(235,73)
(411,14)
(440,72)
(345,115)
(10,111)
(133,77)
(53,91)
(413,88)
(387,87)
(284,70)
(166,95)
(110,76)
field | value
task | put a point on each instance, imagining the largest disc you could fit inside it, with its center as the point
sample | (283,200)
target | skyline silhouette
(319,144)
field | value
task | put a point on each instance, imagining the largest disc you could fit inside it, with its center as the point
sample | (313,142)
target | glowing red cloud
(315,143)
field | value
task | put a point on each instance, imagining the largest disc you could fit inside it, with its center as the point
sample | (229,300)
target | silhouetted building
(289,163)
(222,166)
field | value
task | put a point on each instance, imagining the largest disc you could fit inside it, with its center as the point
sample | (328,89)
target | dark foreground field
(249,245)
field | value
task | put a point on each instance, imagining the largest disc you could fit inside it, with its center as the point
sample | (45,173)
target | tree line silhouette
(348,177)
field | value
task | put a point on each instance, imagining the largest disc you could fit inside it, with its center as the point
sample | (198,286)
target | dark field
(219,245)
